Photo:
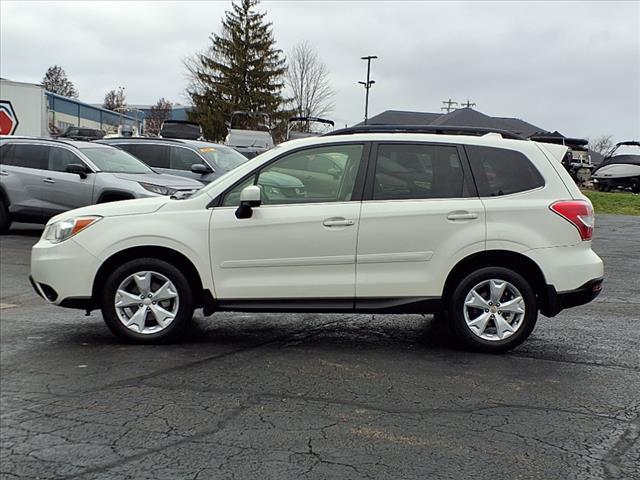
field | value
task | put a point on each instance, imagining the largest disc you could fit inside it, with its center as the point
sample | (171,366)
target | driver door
(297,244)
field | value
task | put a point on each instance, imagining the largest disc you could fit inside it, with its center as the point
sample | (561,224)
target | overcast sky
(572,67)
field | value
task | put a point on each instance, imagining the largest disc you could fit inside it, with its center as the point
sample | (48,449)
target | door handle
(338,222)
(462,216)
(49,180)
(3,173)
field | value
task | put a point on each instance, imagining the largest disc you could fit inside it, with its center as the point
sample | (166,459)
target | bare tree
(602,144)
(160,112)
(55,80)
(115,100)
(307,80)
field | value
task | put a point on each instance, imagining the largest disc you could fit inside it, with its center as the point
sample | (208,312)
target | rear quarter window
(498,171)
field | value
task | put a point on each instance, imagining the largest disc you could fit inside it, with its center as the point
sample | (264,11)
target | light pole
(367,86)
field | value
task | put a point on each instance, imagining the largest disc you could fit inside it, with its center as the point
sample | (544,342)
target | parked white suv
(485,229)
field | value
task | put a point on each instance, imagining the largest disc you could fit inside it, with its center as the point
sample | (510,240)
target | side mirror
(200,169)
(77,168)
(250,198)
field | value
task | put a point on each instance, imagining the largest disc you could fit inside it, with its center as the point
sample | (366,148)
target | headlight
(62,230)
(159,189)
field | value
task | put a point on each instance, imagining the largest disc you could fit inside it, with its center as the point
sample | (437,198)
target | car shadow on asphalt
(241,331)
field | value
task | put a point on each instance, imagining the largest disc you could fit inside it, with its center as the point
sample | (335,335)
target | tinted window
(500,172)
(152,155)
(294,179)
(28,156)
(183,158)
(418,171)
(59,158)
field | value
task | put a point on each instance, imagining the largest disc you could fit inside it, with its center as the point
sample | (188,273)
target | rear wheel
(147,300)
(5,222)
(493,309)
(635,185)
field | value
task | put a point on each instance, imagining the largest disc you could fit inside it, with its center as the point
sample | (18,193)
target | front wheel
(147,300)
(493,309)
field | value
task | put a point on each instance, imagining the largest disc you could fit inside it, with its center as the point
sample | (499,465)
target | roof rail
(40,139)
(144,139)
(435,129)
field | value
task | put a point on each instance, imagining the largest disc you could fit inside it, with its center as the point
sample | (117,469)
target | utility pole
(468,104)
(448,105)
(367,86)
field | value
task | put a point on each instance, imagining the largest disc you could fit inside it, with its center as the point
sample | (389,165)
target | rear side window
(152,155)
(498,171)
(27,156)
(183,158)
(417,172)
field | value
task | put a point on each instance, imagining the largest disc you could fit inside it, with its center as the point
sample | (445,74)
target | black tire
(456,302)
(635,185)
(5,221)
(183,316)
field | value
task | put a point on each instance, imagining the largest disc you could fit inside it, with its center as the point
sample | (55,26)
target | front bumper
(558,301)
(63,273)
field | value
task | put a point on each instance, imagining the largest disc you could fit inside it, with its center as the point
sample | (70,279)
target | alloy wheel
(494,309)
(146,302)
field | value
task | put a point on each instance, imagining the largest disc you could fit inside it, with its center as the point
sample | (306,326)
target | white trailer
(23,109)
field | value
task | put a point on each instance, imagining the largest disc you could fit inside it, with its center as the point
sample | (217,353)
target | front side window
(59,158)
(414,171)
(114,160)
(26,156)
(498,171)
(305,177)
(183,158)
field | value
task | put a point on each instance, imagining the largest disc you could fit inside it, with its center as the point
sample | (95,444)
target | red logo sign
(8,119)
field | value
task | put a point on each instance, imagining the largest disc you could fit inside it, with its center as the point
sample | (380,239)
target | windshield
(224,157)
(114,160)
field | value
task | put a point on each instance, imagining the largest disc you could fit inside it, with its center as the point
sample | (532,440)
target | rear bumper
(558,301)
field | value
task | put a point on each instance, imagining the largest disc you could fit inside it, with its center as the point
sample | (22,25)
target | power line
(468,104)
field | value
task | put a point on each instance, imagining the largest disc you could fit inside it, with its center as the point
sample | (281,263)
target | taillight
(577,212)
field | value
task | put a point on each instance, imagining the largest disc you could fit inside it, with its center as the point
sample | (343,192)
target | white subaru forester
(482,228)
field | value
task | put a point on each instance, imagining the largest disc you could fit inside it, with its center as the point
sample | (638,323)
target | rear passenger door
(420,213)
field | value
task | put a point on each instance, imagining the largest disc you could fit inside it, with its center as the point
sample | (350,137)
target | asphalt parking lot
(274,396)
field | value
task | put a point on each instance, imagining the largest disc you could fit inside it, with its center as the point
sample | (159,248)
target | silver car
(40,178)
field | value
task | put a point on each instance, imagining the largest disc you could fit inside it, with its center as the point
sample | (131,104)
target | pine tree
(242,70)
(55,80)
